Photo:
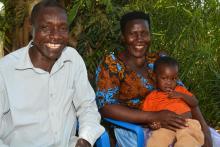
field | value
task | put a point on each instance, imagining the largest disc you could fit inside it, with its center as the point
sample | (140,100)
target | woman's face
(136,37)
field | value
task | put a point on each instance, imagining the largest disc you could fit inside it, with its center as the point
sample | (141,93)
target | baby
(170,96)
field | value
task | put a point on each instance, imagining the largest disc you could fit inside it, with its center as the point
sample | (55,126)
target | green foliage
(6,21)
(188,30)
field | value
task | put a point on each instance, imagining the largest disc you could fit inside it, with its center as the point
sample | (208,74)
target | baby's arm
(190,100)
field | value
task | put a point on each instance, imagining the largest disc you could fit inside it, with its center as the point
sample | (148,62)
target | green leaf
(73,12)
(188,12)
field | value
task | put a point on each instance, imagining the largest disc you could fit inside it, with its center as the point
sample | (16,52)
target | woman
(123,80)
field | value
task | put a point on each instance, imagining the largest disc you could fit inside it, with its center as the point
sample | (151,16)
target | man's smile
(53,45)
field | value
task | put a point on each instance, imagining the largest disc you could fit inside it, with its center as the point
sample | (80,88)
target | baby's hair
(165,61)
(132,16)
(42,4)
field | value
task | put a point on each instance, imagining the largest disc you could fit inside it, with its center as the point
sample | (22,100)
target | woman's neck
(134,62)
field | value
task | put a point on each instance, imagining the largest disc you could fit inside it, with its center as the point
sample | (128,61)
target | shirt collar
(25,61)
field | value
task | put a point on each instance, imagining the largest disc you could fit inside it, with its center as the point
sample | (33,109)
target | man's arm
(85,105)
(3,105)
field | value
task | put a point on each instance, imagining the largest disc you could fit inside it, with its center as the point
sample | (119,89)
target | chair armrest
(103,140)
(137,129)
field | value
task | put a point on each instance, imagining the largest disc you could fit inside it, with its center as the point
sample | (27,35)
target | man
(44,89)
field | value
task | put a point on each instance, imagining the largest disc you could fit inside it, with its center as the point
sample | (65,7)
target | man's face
(50,32)
(166,77)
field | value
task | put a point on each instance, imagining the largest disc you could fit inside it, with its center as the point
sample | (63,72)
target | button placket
(51,105)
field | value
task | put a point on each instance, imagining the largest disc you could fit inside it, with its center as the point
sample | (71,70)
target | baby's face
(166,77)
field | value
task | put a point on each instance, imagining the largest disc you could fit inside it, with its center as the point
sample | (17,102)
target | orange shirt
(158,100)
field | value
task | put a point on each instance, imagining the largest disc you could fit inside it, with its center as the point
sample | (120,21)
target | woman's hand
(170,120)
(82,143)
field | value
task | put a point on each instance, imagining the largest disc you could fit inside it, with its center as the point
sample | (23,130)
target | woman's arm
(167,119)
(196,114)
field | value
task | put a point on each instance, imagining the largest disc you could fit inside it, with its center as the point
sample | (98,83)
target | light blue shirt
(40,109)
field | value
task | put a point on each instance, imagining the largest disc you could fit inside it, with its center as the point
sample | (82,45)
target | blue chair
(103,140)
(137,129)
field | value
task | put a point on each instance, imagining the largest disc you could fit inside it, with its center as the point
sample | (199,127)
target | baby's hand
(174,94)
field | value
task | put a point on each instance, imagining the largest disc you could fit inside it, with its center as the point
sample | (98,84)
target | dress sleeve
(108,75)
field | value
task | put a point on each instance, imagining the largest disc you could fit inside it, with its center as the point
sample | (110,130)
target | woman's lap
(126,138)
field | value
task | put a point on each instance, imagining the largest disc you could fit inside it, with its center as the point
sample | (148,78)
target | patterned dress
(118,84)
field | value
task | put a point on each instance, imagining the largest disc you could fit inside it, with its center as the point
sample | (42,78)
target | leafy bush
(187,30)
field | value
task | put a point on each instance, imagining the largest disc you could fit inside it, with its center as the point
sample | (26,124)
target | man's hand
(170,120)
(82,143)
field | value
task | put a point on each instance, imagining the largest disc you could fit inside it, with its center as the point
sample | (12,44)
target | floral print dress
(117,84)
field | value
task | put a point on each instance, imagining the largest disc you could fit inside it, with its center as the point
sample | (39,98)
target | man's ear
(30,27)
(32,32)
(122,38)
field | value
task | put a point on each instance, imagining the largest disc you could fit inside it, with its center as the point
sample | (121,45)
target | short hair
(132,16)
(42,4)
(165,61)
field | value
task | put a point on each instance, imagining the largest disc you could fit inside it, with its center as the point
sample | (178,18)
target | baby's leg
(192,136)
(161,138)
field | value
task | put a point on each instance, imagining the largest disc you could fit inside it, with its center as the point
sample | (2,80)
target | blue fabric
(126,138)
(107,97)
(215,137)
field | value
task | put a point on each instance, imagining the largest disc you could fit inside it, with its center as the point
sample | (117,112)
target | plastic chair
(137,129)
(103,140)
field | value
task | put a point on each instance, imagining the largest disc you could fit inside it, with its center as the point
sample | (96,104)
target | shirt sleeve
(85,105)
(108,76)
(3,104)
